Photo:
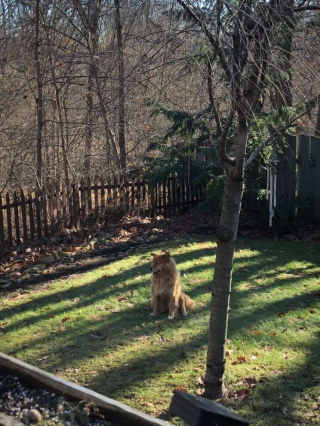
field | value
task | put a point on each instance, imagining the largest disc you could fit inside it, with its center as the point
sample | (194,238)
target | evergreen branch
(272,138)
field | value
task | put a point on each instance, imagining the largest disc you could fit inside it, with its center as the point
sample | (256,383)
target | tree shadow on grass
(76,343)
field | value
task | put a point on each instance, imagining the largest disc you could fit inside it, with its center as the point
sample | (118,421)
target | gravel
(27,404)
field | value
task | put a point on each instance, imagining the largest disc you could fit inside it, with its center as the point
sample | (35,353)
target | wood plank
(187,195)
(2,234)
(122,204)
(96,201)
(138,195)
(51,209)
(70,203)
(115,410)
(45,211)
(89,196)
(24,217)
(83,203)
(58,207)
(31,216)
(149,200)
(305,198)
(115,195)
(64,205)
(16,218)
(286,184)
(169,197)
(198,411)
(38,214)
(183,196)
(315,153)
(9,222)
(132,196)
(76,203)
(103,202)
(174,195)
(178,195)
(109,196)
(164,198)
(144,197)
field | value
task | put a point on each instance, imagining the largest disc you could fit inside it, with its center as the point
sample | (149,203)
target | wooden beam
(115,411)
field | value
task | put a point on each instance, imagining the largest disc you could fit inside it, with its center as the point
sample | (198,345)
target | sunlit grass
(95,330)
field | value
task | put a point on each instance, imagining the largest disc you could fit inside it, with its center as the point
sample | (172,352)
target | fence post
(96,201)
(303,178)
(9,223)
(24,217)
(315,152)
(31,216)
(76,204)
(16,218)
(38,213)
(103,202)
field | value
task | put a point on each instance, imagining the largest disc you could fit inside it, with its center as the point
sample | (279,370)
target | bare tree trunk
(89,124)
(39,97)
(121,94)
(226,238)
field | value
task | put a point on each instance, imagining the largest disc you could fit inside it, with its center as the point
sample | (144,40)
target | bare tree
(243,37)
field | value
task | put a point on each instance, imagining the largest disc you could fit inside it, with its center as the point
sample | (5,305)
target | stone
(65,254)
(3,286)
(28,250)
(15,275)
(34,416)
(8,421)
(47,260)
(36,269)
(93,242)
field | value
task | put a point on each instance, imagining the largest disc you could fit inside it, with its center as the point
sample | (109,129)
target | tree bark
(89,124)
(221,290)
(121,92)
(39,96)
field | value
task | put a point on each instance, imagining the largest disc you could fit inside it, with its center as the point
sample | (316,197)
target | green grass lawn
(94,329)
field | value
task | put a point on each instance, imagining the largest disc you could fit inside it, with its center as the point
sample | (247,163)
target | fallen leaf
(310,414)
(241,394)
(257,333)
(120,299)
(65,319)
(251,381)
(273,334)
(281,314)
(200,391)
(312,311)
(181,389)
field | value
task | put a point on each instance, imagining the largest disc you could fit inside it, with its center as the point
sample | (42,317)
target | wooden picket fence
(298,181)
(41,214)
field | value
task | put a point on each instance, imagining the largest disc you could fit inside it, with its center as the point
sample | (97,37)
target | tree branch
(211,98)
(213,40)
(223,141)
(304,8)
